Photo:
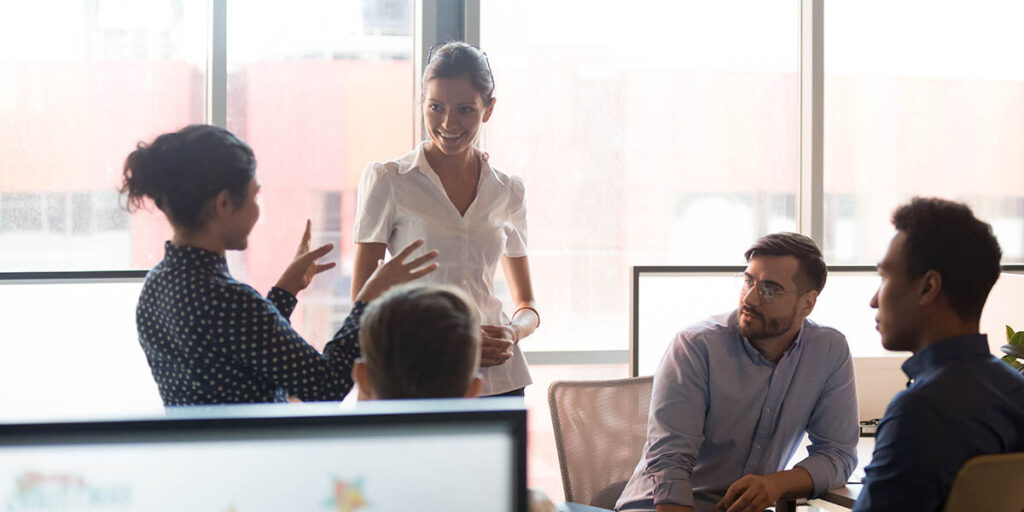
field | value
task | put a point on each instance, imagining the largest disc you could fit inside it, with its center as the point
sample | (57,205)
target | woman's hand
(496,342)
(396,271)
(300,272)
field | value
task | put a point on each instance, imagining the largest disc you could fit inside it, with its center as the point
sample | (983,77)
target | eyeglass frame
(767,295)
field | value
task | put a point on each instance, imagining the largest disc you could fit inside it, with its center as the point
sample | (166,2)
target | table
(843,496)
(578,507)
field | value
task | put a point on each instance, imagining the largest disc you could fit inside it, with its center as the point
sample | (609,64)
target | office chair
(994,483)
(600,429)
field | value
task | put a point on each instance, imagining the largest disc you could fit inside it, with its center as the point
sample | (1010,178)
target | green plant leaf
(1018,338)
(1009,359)
(1009,333)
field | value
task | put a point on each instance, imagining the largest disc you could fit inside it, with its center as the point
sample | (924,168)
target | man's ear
(362,378)
(931,287)
(474,388)
(807,301)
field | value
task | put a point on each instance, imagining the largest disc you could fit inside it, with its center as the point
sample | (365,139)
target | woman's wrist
(524,308)
(516,335)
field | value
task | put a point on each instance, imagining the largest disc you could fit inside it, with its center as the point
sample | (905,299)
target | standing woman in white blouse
(446,192)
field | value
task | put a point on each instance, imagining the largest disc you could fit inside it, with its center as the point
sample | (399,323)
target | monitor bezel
(206,428)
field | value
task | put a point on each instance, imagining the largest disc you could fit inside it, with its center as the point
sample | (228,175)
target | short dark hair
(456,59)
(946,237)
(421,341)
(812,271)
(180,171)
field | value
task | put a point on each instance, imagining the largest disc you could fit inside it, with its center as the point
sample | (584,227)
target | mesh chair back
(994,483)
(600,428)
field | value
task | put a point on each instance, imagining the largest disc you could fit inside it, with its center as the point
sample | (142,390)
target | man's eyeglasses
(768,292)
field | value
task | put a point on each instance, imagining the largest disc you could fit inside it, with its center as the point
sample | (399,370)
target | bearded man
(735,394)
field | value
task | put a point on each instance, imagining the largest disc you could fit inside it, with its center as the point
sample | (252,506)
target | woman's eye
(466,110)
(435,107)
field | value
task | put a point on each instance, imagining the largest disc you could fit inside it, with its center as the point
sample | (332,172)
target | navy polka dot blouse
(210,339)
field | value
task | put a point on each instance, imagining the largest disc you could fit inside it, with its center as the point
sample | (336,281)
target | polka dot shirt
(210,339)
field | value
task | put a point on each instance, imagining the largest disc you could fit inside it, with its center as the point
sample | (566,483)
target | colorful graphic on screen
(35,490)
(347,496)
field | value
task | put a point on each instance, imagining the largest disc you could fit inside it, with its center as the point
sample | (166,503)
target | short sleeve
(515,230)
(374,206)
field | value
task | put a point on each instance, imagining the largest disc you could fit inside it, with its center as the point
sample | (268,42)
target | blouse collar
(419,162)
(188,256)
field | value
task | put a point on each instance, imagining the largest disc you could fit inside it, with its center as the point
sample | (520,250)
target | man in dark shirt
(961,401)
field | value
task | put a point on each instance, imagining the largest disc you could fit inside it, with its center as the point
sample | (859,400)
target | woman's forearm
(367,256)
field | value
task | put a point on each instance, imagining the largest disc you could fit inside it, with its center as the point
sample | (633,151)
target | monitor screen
(71,349)
(666,302)
(439,459)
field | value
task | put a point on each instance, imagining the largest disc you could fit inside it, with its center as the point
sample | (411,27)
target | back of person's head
(456,59)
(183,170)
(420,341)
(946,237)
(812,270)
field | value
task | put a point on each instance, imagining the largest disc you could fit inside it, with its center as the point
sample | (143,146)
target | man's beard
(762,327)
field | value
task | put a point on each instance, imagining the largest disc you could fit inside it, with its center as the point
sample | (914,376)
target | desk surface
(578,507)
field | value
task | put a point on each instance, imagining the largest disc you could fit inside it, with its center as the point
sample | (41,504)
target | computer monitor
(423,455)
(668,299)
(70,348)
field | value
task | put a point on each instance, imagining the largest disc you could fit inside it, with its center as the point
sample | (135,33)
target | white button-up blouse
(403,200)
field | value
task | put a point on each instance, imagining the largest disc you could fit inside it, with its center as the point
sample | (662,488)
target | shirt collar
(188,256)
(419,162)
(945,352)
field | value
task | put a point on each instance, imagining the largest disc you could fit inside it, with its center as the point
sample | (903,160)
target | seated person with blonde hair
(419,341)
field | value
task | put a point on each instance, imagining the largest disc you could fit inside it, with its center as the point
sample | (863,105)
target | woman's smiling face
(453,112)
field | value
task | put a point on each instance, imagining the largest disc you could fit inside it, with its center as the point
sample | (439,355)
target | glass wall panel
(81,82)
(318,88)
(655,132)
(921,98)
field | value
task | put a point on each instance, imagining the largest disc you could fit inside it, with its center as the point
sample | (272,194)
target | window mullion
(217,65)
(811,190)
(436,21)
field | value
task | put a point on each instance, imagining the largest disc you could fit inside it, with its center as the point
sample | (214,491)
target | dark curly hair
(946,237)
(181,171)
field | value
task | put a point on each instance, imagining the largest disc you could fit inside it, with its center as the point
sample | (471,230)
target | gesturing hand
(752,493)
(300,272)
(496,343)
(396,271)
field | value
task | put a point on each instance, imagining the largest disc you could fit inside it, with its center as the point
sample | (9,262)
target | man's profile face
(769,297)
(896,298)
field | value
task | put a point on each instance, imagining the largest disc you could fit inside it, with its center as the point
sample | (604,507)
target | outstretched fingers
(318,267)
(307,235)
(421,260)
(319,252)
(404,253)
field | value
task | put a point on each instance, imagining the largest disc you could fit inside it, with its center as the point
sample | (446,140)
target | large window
(654,133)
(932,103)
(318,88)
(80,83)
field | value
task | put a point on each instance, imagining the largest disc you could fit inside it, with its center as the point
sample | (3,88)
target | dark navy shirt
(962,402)
(210,339)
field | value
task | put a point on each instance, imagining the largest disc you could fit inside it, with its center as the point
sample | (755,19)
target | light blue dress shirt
(720,410)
